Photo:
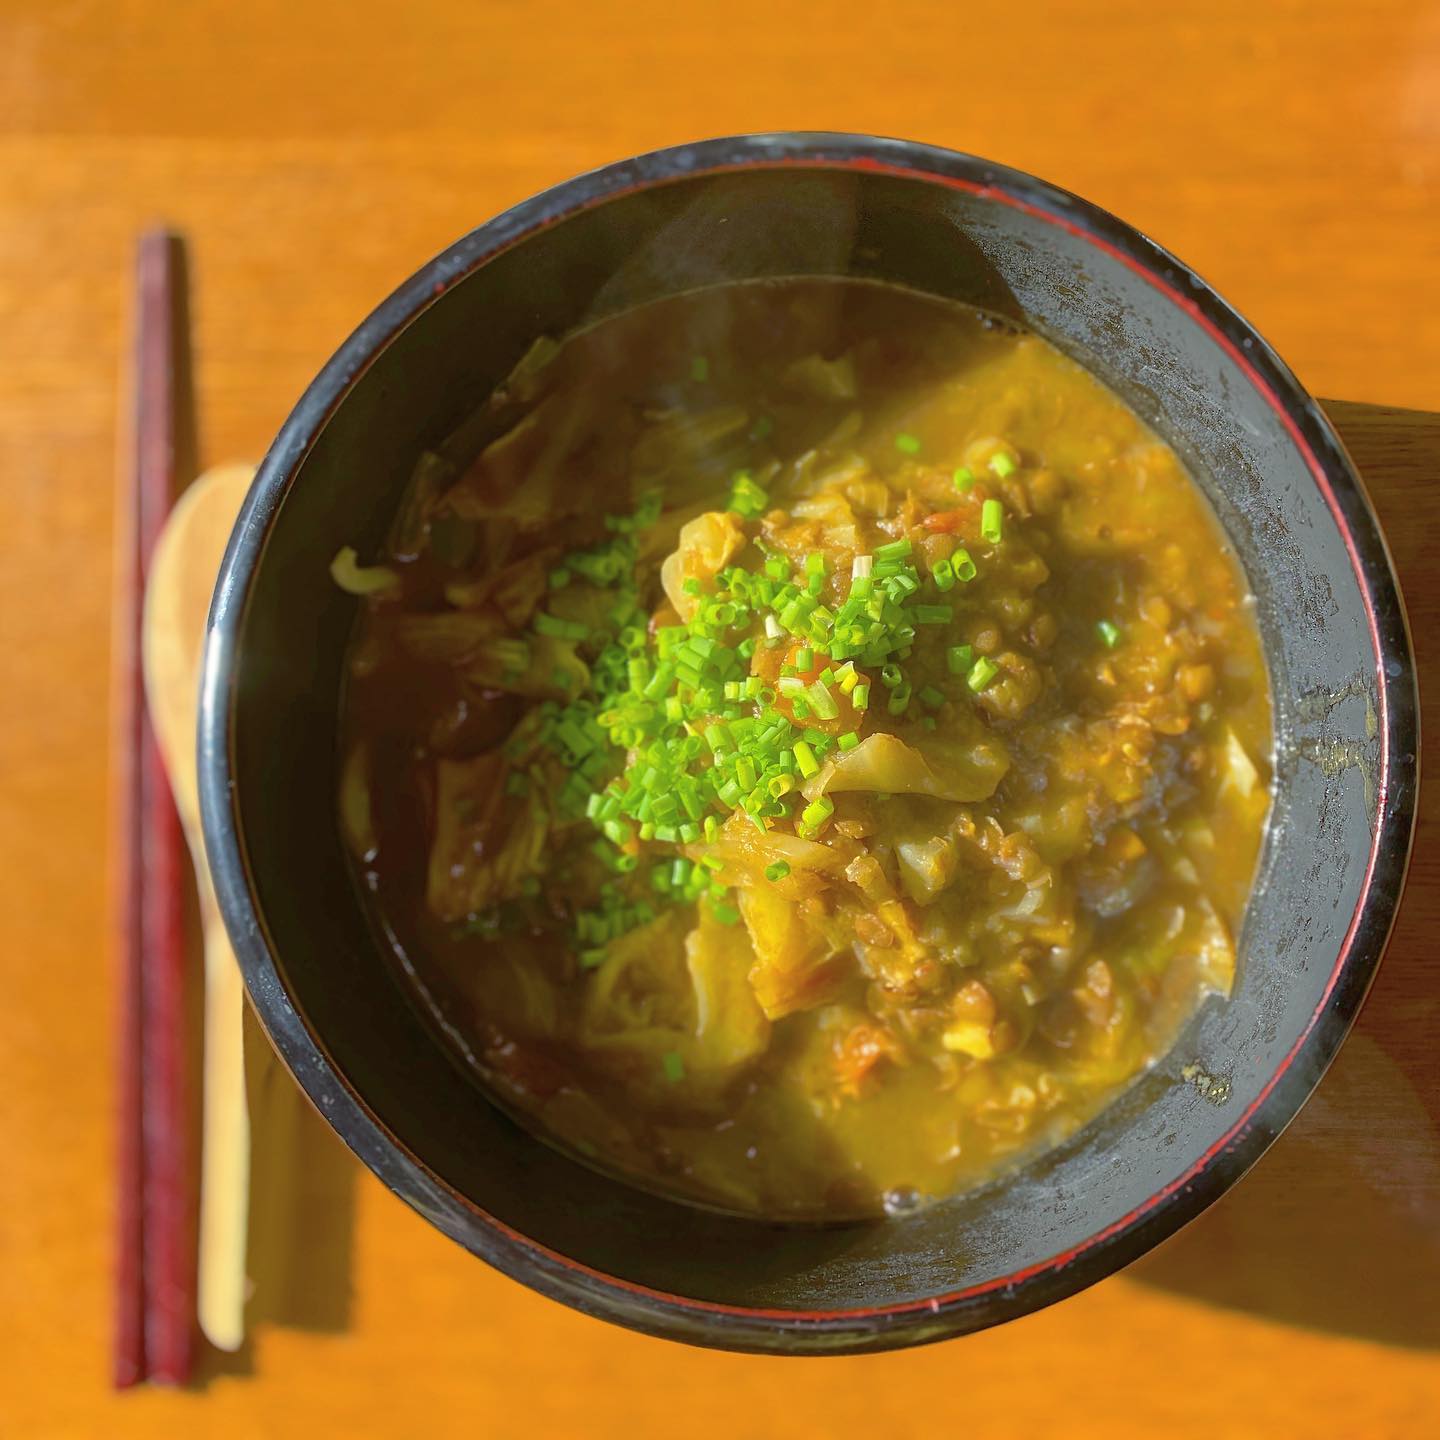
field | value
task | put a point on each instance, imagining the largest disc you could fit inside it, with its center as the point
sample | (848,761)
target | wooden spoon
(177,601)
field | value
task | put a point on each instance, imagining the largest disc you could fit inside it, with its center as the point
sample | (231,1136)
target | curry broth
(948,974)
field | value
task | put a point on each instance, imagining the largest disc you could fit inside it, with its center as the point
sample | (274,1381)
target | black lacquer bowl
(949,224)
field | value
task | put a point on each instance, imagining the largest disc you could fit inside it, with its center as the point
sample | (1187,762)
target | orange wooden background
(315,151)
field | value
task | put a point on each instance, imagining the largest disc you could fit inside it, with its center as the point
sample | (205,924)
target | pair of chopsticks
(156,1256)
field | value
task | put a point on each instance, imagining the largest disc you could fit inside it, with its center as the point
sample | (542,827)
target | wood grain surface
(315,152)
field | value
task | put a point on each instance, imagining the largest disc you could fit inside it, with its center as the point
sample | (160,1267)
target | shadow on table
(302,1214)
(1338,1227)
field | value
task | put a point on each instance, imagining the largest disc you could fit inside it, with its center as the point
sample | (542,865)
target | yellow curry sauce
(815,754)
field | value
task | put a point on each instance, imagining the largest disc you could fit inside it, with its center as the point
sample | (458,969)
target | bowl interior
(322,975)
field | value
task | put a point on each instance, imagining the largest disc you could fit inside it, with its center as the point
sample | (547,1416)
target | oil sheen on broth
(810,749)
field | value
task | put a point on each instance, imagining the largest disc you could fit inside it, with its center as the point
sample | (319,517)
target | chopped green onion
(725,913)
(959,658)
(673,731)
(747,499)
(818,811)
(932,697)
(992,521)
(674,1066)
(778,871)
(962,565)
(822,702)
(700,369)
(982,672)
(963,479)
(556,628)
(1001,464)
(907,443)
(1109,633)
(574,738)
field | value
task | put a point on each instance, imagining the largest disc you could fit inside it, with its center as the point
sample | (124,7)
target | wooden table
(315,153)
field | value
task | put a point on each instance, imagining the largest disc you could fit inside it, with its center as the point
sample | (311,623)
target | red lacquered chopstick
(128,1362)
(156,1260)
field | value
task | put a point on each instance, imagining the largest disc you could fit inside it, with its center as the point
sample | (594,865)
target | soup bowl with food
(807,743)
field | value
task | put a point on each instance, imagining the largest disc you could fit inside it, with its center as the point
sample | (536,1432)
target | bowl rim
(1110,1246)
